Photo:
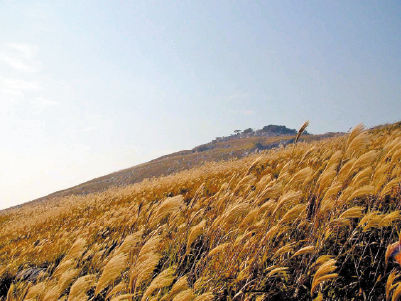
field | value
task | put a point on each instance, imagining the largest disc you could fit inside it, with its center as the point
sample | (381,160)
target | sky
(91,87)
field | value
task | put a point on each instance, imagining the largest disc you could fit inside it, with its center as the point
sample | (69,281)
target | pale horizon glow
(88,88)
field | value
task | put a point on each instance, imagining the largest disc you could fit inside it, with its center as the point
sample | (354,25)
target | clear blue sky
(91,87)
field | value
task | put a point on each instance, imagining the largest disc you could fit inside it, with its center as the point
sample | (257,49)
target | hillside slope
(226,149)
(316,220)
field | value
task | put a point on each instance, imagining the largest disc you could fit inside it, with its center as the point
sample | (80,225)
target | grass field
(316,220)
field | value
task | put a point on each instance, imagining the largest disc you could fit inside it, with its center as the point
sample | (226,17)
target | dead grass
(313,220)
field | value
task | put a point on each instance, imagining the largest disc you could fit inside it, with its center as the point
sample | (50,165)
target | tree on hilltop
(248,131)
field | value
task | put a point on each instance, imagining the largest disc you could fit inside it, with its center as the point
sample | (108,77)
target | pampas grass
(354,212)
(196,231)
(389,284)
(66,279)
(292,214)
(186,295)
(167,207)
(324,274)
(179,286)
(301,130)
(80,287)
(362,192)
(205,297)
(145,262)
(304,250)
(36,291)
(164,279)
(282,223)
(112,270)
(130,242)
(288,199)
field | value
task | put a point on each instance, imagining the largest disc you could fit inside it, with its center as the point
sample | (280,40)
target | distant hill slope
(222,148)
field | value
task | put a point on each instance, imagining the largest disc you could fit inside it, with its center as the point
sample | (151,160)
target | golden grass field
(312,221)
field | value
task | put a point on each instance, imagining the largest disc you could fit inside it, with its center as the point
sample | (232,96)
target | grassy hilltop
(315,220)
(222,148)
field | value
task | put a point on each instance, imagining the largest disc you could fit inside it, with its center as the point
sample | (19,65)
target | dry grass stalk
(362,192)
(112,270)
(299,177)
(345,171)
(52,294)
(125,297)
(145,263)
(250,218)
(278,272)
(357,144)
(205,297)
(292,214)
(36,291)
(240,240)
(327,202)
(164,279)
(284,249)
(304,250)
(264,182)
(362,178)
(232,214)
(354,212)
(367,217)
(288,199)
(10,293)
(396,156)
(187,295)
(150,246)
(321,260)
(319,297)
(80,287)
(143,270)
(301,130)
(339,222)
(283,176)
(358,129)
(273,231)
(179,286)
(365,160)
(196,231)
(129,242)
(77,249)
(326,179)
(335,158)
(119,289)
(323,274)
(267,207)
(272,192)
(390,186)
(390,218)
(66,279)
(167,207)
(373,222)
(220,248)
(63,267)
(389,284)
(244,182)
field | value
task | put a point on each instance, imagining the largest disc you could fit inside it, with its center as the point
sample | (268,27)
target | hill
(314,220)
(222,148)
